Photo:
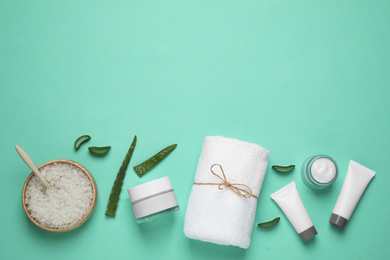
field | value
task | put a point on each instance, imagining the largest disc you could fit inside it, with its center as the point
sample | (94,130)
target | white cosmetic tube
(292,206)
(355,183)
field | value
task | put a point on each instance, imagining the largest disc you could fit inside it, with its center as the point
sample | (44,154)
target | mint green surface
(296,77)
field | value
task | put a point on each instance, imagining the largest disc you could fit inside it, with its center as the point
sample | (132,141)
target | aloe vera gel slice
(283,169)
(269,223)
(79,141)
(149,164)
(117,187)
(99,150)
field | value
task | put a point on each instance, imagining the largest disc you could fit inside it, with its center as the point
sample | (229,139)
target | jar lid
(149,189)
(152,197)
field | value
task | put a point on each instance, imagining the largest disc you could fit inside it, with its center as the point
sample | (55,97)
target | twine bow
(245,192)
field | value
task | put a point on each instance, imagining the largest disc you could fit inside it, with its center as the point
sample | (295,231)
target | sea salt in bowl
(67,204)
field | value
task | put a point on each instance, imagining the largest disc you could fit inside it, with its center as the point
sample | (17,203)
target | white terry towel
(222,216)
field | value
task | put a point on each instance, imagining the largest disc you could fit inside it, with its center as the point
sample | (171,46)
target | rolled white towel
(223,216)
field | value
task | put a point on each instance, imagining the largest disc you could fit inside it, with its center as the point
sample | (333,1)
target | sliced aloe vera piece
(269,223)
(99,150)
(283,169)
(79,141)
(117,186)
(147,165)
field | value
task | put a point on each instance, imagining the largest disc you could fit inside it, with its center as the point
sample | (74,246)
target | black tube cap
(338,221)
(308,233)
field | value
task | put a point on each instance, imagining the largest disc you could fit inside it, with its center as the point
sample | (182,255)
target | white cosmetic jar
(153,199)
(319,171)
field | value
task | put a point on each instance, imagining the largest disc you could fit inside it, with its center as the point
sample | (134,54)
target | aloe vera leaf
(79,141)
(147,165)
(269,223)
(283,169)
(117,186)
(99,150)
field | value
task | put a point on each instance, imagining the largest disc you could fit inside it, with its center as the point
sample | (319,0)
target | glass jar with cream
(319,171)
(153,199)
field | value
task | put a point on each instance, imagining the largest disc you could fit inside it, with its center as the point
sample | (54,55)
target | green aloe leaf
(99,150)
(269,223)
(79,141)
(117,186)
(149,164)
(283,169)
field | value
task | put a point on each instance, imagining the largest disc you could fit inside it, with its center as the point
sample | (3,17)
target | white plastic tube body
(292,206)
(355,183)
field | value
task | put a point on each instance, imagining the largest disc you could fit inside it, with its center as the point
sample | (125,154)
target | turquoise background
(296,77)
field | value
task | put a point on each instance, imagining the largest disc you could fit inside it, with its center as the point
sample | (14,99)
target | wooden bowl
(94,190)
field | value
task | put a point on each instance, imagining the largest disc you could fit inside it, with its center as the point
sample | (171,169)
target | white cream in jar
(319,171)
(323,170)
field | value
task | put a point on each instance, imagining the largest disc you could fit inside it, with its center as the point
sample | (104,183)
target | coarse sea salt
(66,202)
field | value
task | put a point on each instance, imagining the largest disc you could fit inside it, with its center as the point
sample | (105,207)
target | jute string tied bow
(240,189)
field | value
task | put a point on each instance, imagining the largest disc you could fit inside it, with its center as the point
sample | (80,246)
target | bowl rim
(80,222)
